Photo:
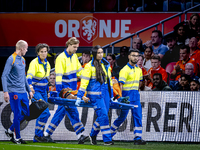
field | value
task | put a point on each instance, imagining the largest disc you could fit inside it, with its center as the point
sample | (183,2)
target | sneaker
(139,142)
(40,139)
(82,139)
(93,140)
(13,140)
(49,139)
(109,143)
(9,135)
(20,141)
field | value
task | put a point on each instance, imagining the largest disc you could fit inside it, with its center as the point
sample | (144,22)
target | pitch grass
(72,145)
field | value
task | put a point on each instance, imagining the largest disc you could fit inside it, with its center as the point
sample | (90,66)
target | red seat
(170,67)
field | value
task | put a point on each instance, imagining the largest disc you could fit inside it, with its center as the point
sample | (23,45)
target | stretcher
(53,99)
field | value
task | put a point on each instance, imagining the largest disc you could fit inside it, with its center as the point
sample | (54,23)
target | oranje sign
(91,29)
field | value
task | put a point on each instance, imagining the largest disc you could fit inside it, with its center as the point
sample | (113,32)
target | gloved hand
(113,99)
(124,100)
(78,102)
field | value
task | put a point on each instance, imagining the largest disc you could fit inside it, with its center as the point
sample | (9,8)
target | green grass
(72,145)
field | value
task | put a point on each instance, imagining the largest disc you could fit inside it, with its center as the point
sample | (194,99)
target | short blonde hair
(72,41)
(52,73)
(21,44)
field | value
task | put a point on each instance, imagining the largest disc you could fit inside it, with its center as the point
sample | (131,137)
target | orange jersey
(182,66)
(117,90)
(144,72)
(158,70)
(196,56)
(198,44)
(52,88)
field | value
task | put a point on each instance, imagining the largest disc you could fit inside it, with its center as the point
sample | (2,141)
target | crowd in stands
(96,6)
(167,63)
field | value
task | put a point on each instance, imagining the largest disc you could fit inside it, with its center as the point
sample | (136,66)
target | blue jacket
(89,82)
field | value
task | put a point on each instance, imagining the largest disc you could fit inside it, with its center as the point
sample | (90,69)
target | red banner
(90,28)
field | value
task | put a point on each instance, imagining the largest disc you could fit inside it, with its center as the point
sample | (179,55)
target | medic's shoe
(93,140)
(82,139)
(109,143)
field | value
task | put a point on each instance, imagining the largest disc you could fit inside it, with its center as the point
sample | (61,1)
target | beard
(134,62)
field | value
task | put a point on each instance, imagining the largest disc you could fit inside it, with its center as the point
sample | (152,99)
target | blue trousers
(19,103)
(72,114)
(101,106)
(42,119)
(136,113)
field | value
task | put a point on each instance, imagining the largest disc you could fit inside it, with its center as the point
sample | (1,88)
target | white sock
(9,131)
(46,134)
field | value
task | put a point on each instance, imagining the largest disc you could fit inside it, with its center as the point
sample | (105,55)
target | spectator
(179,68)
(193,24)
(158,47)
(159,84)
(113,64)
(52,81)
(172,55)
(140,62)
(180,32)
(189,70)
(143,87)
(147,58)
(85,58)
(123,58)
(137,44)
(184,83)
(194,85)
(194,51)
(156,68)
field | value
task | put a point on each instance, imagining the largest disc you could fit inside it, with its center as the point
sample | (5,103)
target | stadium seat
(170,67)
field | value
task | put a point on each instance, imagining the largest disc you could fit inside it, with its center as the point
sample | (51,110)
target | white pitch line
(48,147)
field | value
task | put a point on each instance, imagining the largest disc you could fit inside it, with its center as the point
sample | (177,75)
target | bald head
(137,43)
(193,43)
(21,47)
(21,44)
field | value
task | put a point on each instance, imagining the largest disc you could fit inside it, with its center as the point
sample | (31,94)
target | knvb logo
(89,28)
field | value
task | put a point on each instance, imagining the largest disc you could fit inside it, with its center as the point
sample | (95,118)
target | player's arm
(6,72)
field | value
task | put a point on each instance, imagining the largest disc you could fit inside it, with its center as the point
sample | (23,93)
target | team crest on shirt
(89,28)
(15,97)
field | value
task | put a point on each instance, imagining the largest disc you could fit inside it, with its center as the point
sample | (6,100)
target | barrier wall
(90,28)
(167,116)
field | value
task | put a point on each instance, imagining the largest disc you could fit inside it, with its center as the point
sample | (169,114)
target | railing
(147,28)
